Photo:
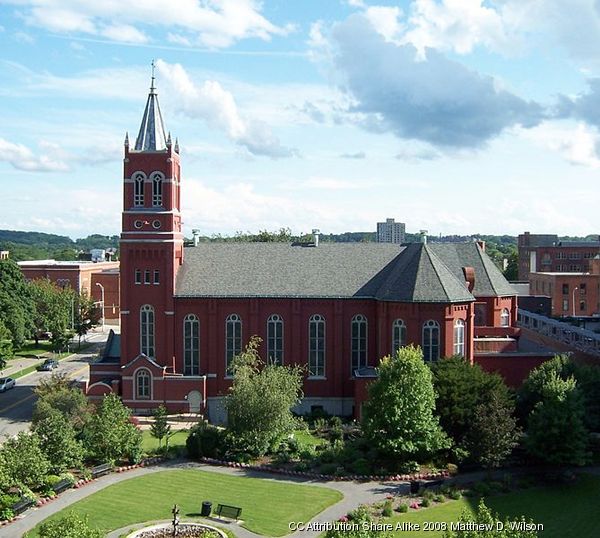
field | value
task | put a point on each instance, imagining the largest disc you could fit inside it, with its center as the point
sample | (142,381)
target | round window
(156,224)
(138,224)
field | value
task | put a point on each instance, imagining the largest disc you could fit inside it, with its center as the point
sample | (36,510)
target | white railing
(576,337)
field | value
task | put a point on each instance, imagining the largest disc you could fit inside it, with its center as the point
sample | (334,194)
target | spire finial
(152,88)
(127,139)
(176,145)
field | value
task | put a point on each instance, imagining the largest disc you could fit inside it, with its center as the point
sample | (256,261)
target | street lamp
(574,290)
(102,301)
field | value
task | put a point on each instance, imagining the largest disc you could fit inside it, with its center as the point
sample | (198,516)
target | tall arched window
(275,339)
(191,345)
(142,384)
(398,335)
(316,346)
(157,189)
(431,341)
(233,339)
(459,338)
(138,189)
(147,330)
(359,342)
(505,318)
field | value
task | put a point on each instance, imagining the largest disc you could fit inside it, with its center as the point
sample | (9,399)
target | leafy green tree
(56,394)
(485,524)
(461,388)
(109,435)
(70,526)
(260,400)
(16,307)
(494,433)
(58,441)
(87,315)
(398,416)
(23,460)
(6,347)
(556,432)
(160,427)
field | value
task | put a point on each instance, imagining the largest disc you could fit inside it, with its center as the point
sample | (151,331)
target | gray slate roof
(151,136)
(414,273)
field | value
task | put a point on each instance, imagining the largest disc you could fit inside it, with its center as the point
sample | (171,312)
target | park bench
(101,470)
(231,512)
(417,485)
(63,485)
(22,505)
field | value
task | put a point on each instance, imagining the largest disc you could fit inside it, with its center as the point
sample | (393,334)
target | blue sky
(455,116)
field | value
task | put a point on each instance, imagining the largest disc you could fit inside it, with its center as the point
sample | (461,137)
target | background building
(390,231)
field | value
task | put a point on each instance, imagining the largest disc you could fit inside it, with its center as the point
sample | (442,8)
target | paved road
(16,405)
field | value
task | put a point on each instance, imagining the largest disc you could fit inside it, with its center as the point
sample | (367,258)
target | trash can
(414,486)
(206,509)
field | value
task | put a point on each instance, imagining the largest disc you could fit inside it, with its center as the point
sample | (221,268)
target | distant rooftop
(60,263)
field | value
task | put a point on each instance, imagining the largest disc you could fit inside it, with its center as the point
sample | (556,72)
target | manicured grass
(150,444)
(268,505)
(564,510)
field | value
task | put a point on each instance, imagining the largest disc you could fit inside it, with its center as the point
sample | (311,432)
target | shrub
(439,498)
(71,526)
(402,508)
(387,509)
(454,494)
(425,502)
(6,514)
(206,440)
(328,468)
(361,467)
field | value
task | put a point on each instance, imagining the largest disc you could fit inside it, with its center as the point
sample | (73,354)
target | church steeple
(151,136)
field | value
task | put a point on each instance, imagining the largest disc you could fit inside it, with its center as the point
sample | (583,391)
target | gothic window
(233,339)
(191,345)
(157,189)
(147,330)
(138,189)
(459,338)
(316,346)
(505,318)
(157,277)
(138,276)
(275,339)
(147,276)
(359,342)
(142,384)
(398,335)
(431,341)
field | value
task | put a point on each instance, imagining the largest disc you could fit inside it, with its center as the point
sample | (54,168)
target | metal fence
(576,337)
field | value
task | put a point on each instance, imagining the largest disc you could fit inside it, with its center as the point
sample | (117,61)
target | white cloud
(22,158)
(386,21)
(215,105)
(579,145)
(215,23)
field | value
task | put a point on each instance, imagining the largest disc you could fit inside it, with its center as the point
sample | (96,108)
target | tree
(49,309)
(461,388)
(398,416)
(70,526)
(23,460)
(58,441)
(16,308)
(494,433)
(87,315)
(485,524)
(56,394)
(556,432)
(260,400)
(109,435)
(6,347)
(160,427)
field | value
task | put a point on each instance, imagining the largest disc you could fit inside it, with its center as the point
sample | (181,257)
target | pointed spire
(176,145)
(151,136)
(127,139)
(169,139)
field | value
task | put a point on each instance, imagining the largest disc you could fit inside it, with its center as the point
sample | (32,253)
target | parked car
(48,365)
(6,383)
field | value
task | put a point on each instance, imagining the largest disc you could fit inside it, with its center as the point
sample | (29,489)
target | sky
(454,116)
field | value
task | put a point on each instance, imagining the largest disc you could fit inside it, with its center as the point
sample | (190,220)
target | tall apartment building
(390,231)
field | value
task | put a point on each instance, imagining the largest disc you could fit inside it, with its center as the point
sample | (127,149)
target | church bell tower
(151,245)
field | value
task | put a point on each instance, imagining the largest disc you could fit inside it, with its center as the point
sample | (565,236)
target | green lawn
(268,505)
(31,349)
(306,439)
(150,444)
(564,510)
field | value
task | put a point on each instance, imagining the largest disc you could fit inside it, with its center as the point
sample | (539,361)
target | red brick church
(335,308)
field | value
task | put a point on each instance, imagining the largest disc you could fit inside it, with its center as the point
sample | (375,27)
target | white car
(6,383)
